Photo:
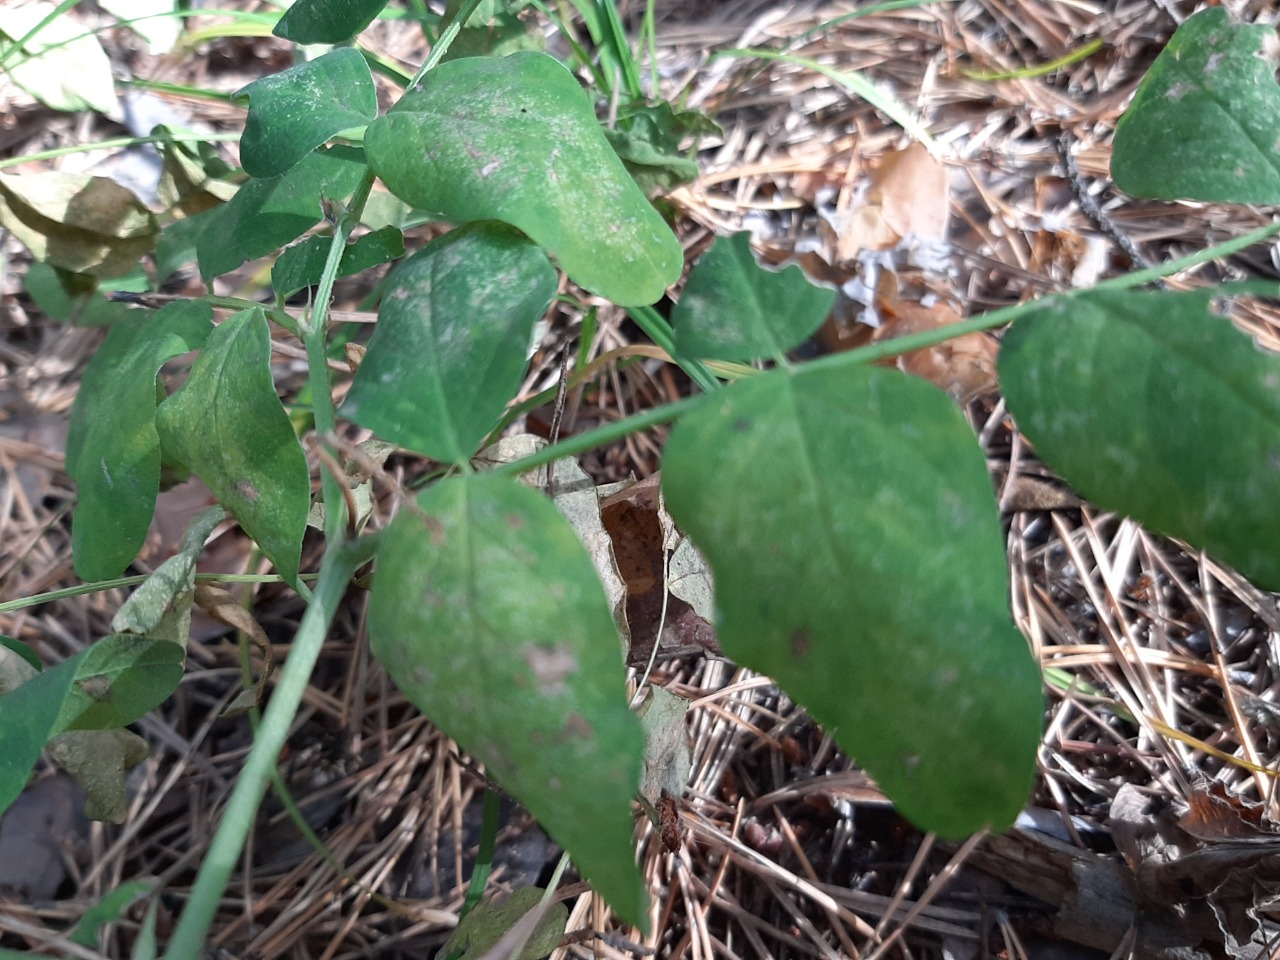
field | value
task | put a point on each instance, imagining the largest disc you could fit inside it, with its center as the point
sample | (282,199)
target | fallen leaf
(668,753)
(98,760)
(964,366)
(81,223)
(909,195)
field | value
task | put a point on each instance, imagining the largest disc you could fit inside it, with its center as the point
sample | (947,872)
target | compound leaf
(850,525)
(487,613)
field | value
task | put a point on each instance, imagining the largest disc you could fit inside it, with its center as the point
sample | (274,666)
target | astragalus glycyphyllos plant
(843,508)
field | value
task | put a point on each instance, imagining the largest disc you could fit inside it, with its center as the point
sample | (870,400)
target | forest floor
(1161,666)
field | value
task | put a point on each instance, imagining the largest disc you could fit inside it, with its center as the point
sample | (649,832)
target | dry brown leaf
(964,366)
(222,606)
(909,195)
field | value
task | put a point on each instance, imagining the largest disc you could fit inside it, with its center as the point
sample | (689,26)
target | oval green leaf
(734,309)
(327,21)
(113,449)
(850,523)
(487,613)
(1205,121)
(515,139)
(293,112)
(266,214)
(451,340)
(227,425)
(1151,404)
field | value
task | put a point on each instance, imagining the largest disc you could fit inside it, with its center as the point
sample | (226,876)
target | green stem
(314,332)
(340,561)
(447,36)
(580,443)
(97,587)
(7,54)
(659,331)
(590,439)
(484,856)
(117,142)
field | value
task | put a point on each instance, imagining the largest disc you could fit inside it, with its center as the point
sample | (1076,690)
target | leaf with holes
(487,613)
(293,112)
(734,309)
(1152,404)
(1205,121)
(227,425)
(858,560)
(113,449)
(516,139)
(451,340)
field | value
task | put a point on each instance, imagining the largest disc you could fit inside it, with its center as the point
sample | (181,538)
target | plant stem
(484,856)
(340,561)
(659,331)
(447,36)
(314,332)
(117,142)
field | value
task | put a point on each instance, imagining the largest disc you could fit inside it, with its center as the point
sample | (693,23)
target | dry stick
(1090,208)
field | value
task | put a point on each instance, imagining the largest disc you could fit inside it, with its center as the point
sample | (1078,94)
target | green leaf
(481,929)
(327,21)
(451,339)
(850,524)
(302,264)
(227,425)
(27,717)
(1205,121)
(71,297)
(488,615)
(293,112)
(178,243)
(22,650)
(516,139)
(1151,404)
(98,760)
(108,910)
(113,450)
(120,678)
(647,138)
(266,214)
(734,309)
